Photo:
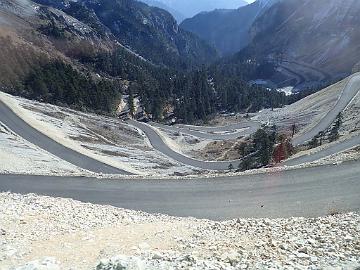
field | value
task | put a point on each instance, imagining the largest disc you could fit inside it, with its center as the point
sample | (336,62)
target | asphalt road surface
(300,78)
(158,143)
(306,192)
(323,76)
(21,128)
(24,130)
(336,148)
(349,92)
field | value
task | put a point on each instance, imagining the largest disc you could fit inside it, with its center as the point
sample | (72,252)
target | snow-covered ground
(182,143)
(307,113)
(288,90)
(38,232)
(107,139)
(113,142)
(18,156)
(351,117)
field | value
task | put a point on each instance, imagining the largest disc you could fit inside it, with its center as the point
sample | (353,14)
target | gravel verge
(38,232)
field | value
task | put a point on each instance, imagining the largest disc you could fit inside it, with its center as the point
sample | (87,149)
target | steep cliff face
(151,32)
(176,14)
(148,31)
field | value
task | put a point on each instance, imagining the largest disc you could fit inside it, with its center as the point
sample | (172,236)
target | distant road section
(308,192)
(158,143)
(229,132)
(21,128)
(334,149)
(349,92)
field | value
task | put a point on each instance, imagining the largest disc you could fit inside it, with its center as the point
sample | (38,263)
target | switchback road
(23,129)
(350,91)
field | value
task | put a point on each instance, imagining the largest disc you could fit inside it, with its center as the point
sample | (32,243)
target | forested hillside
(87,56)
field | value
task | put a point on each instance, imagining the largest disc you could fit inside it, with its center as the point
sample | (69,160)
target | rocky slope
(322,34)
(32,33)
(42,233)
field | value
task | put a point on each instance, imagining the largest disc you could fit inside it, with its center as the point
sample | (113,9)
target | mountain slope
(150,32)
(227,30)
(189,8)
(75,56)
(322,33)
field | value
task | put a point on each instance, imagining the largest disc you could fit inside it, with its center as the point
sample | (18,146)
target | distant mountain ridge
(176,14)
(189,8)
(227,30)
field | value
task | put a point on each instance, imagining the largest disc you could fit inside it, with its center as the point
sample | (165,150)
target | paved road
(304,192)
(336,148)
(27,132)
(158,143)
(229,132)
(349,92)
(300,78)
(20,127)
(322,75)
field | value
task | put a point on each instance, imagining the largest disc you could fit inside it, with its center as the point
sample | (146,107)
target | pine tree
(334,132)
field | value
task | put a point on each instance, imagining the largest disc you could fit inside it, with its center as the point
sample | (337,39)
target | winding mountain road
(248,127)
(23,129)
(306,192)
(229,132)
(10,119)
(299,192)
(159,144)
(349,92)
(307,68)
(328,151)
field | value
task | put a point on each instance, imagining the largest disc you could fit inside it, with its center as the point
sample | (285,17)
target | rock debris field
(38,232)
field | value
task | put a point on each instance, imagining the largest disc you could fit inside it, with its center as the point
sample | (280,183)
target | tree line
(59,83)
(194,95)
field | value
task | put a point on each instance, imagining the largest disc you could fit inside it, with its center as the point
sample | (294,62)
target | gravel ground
(39,232)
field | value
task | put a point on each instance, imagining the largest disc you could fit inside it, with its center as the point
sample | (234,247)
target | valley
(173,135)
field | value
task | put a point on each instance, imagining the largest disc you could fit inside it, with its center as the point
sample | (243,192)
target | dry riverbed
(39,232)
